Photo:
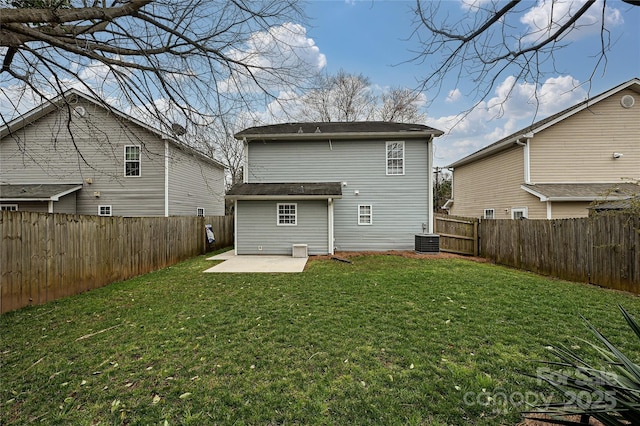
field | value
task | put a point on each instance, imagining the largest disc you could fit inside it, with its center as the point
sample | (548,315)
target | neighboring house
(77,156)
(557,167)
(334,186)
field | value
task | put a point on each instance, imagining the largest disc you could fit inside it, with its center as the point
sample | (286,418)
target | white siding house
(334,186)
(76,155)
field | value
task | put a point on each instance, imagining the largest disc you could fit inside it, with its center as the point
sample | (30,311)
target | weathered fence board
(44,257)
(457,234)
(603,250)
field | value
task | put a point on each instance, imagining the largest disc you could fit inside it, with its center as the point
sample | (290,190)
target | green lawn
(384,340)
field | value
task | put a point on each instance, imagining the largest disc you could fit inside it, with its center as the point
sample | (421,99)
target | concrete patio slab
(258,263)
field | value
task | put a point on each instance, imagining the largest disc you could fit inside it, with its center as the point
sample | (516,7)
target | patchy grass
(384,340)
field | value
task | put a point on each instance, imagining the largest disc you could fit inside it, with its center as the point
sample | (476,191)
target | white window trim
(493,213)
(100,207)
(198,209)
(386,158)
(9,207)
(295,214)
(139,161)
(370,215)
(524,210)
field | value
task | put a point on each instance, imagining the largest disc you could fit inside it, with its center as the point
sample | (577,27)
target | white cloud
(548,16)
(454,95)
(283,47)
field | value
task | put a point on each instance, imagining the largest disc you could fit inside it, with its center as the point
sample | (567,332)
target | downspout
(235,227)
(245,169)
(430,183)
(548,209)
(330,225)
(50,208)
(526,153)
(166,178)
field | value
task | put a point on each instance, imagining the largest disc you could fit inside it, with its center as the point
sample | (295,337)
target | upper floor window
(287,214)
(104,210)
(8,207)
(132,160)
(489,214)
(395,158)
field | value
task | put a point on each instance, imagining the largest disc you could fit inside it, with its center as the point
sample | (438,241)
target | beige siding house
(557,167)
(75,155)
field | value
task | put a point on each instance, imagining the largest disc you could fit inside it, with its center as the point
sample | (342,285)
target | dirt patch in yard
(346,255)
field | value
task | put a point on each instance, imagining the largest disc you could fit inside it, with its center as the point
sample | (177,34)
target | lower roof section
(36,192)
(273,191)
(582,191)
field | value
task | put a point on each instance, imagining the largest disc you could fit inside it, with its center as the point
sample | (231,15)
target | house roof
(582,191)
(36,192)
(338,130)
(529,131)
(300,191)
(53,104)
(616,205)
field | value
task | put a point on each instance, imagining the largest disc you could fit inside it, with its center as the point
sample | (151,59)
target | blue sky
(373,38)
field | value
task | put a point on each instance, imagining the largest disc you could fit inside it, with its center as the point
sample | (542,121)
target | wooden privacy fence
(603,249)
(457,234)
(45,257)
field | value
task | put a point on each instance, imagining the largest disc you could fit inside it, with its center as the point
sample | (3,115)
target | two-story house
(334,186)
(559,166)
(75,155)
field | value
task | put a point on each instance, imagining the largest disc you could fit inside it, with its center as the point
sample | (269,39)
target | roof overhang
(285,191)
(587,192)
(342,136)
(36,192)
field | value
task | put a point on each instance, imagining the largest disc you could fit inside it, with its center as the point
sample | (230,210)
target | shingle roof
(317,130)
(286,190)
(582,191)
(36,192)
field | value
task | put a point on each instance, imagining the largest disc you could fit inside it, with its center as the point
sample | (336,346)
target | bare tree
(401,105)
(351,97)
(189,57)
(495,39)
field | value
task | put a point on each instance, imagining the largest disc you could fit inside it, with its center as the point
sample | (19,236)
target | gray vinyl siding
(400,203)
(257,226)
(194,183)
(43,152)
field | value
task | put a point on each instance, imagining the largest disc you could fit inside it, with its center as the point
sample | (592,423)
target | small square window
(9,207)
(365,214)
(104,211)
(489,214)
(287,214)
(519,213)
(200,211)
(132,160)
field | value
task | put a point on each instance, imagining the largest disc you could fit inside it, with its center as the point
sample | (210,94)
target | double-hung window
(104,210)
(365,214)
(132,160)
(519,213)
(200,211)
(395,158)
(489,214)
(287,214)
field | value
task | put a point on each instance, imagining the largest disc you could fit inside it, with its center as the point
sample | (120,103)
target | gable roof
(338,130)
(37,192)
(51,105)
(299,191)
(529,131)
